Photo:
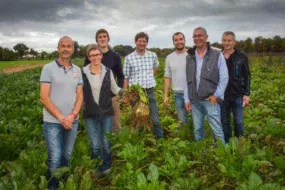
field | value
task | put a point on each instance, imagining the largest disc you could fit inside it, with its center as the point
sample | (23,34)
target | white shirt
(175,68)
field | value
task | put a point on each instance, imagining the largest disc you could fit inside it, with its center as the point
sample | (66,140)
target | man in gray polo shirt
(62,96)
(175,66)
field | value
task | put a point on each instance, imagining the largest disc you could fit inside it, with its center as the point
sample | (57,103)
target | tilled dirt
(20,68)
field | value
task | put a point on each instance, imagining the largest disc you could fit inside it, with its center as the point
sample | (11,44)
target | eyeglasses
(95,55)
(198,36)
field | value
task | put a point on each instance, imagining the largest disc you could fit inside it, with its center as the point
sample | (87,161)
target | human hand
(165,101)
(245,100)
(68,121)
(188,106)
(63,123)
(212,99)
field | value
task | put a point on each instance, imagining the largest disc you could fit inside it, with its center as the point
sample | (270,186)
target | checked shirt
(139,69)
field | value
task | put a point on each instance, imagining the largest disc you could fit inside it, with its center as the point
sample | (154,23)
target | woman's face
(95,57)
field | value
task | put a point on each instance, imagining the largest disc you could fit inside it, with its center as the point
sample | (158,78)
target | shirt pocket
(237,69)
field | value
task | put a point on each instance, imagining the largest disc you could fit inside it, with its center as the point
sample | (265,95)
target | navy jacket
(239,75)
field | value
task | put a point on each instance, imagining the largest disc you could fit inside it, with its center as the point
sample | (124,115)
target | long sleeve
(186,97)
(119,71)
(114,87)
(246,77)
(223,78)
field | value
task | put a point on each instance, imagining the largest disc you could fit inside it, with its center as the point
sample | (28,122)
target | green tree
(156,50)
(82,51)
(7,54)
(266,45)
(44,55)
(52,55)
(123,50)
(1,49)
(34,53)
(248,46)
(21,49)
(240,45)
(76,49)
(217,45)
(277,44)
(258,44)
(166,51)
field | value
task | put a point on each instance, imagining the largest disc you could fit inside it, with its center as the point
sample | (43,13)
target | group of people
(205,80)
(216,83)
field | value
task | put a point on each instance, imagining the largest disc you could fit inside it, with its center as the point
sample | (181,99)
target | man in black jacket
(238,89)
(113,61)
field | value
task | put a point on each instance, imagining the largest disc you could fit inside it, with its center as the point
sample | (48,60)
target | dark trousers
(232,106)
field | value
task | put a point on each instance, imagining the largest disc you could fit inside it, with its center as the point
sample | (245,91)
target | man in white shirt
(175,66)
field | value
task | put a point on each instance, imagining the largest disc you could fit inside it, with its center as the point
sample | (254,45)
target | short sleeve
(80,80)
(167,70)
(45,75)
(156,63)
(126,68)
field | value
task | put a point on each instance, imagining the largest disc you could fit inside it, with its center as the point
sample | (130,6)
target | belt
(147,89)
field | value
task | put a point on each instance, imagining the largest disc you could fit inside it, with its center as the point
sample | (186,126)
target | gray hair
(91,47)
(226,33)
(201,28)
(64,38)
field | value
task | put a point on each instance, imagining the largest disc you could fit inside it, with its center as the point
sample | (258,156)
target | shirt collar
(136,53)
(197,55)
(86,68)
(61,65)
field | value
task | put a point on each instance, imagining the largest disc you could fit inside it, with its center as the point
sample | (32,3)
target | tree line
(259,45)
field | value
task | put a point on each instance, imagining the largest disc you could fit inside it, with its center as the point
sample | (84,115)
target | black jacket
(113,61)
(91,109)
(239,75)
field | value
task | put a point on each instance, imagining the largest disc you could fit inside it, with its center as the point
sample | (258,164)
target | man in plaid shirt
(140,68)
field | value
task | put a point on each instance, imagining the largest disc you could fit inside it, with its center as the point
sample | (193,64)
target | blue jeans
(234,106)
(97,130)
(60,144)
(180,108)
(200,109)
(157,129)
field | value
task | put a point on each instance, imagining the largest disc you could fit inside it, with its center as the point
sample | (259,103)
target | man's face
(141,44)
(228,42)
(103,40)
(179,42)
(199,38)
(65,49)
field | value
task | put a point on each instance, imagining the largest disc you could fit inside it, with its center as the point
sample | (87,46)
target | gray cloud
(39,24)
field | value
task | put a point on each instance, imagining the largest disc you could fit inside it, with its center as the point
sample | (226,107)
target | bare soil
(20,68)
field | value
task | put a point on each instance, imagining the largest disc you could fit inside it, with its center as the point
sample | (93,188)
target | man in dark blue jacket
(238,89)
(113,61)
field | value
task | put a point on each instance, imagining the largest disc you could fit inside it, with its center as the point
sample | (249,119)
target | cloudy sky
(40,23)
